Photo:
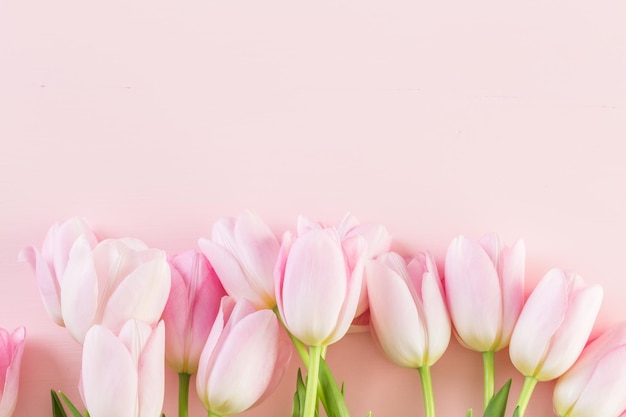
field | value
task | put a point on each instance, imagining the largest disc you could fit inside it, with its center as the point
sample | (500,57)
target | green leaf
(469,413)
(298,397)
(516,412)
(57,406)
(497,405)
(369,414)
(69,404)
(332,400)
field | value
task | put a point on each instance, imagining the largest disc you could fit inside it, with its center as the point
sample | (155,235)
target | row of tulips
(231,312)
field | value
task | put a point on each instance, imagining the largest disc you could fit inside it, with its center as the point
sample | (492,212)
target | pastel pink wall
(153,118)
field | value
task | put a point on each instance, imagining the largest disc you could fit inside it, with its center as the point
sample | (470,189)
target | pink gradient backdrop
(152,119)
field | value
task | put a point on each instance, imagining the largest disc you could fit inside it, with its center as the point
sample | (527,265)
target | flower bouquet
(232,313)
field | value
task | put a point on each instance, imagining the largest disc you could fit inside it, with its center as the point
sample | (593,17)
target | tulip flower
(377,239)
(484,284)
(117,280)
(51,262)
(189,314)
(243,359)
(408,312)
(11,351)
(553,328)
(243,252)
(318,284)
(124,375)
(596,383)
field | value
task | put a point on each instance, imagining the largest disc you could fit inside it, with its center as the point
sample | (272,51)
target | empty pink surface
(153,119)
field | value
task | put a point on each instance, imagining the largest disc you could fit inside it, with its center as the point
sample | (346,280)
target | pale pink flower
(191,309)
(11,351)
(596,383)
(243,252)
(318,284)
(484,284)
(124,375)
(243,359)
(51,262)
(408,312)
(554,325)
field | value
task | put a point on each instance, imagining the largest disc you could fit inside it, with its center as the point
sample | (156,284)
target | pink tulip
(554,325)
(51,262)
(243,359)
(318,284)
(377,240)
(124,376)
(117,280)
(243,252)
(484,285)
(595,385)
(408,310)
(11,350)
(190,311)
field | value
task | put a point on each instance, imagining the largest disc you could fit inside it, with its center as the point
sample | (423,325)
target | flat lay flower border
(233,313)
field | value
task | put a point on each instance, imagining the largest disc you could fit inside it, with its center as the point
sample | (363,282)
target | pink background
(153,118)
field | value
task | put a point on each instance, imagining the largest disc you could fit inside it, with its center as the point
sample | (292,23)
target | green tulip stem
(427,390)
(183,394)
(312,380)
(212,414)
(489,376)
(524,396)
(300,347)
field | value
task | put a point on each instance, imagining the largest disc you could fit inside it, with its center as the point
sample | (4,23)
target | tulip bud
(11,351)
(191,309)
(409,317)
(554,325)
(377,240)
(318,284)
(117,280)
(124,375)
(243,252)
(243,359)
(596,383)
(51,262)
(484,285)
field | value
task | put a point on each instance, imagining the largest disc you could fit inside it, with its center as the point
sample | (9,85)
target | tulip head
(596,383)
(117,280)
(11,351)
(408,314)
(484,284)
(554,325)
(318,284)
(243,252)
(377,240)
(124,375)
(243,359)
(191,308)
(50,263)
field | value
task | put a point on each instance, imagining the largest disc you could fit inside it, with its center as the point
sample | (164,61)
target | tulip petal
(109,377)
(512,267)
(152,374)
(142,295)
(314,287)
(395,317)
(438,326)
(230,272)
(79,290)
(257,249)
(473,293)
(49,287)
(571,336)
(537,324)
